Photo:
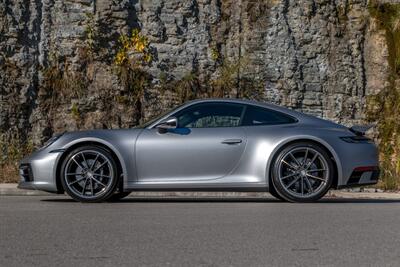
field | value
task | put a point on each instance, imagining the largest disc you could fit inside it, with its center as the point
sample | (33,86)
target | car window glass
(263,116)
(210,115)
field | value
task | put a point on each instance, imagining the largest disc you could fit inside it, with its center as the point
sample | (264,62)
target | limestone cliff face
(322,57)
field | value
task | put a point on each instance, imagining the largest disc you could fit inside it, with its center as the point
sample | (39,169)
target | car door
(207,144)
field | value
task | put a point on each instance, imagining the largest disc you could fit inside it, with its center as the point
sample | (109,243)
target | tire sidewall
(275,173)
(112,187)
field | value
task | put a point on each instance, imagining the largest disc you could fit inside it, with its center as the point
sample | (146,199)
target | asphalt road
(54,231)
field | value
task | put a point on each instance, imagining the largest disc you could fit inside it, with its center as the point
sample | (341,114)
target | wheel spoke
(76,181)
(94,162)
(302,185)
(315,177)
(101,165)
(305,158)
(98,181)
(84,159)
(288,176)
(295,160)
(72,173)
(309,184)
(290,166)
(101,175)
(79,165)
(292,182)
(312,161)
(91,186)
(84,187)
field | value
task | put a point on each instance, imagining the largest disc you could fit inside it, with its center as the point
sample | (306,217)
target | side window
(262,116)
(209,115)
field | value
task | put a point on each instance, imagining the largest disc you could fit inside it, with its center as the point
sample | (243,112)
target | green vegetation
(134,50)
(132,56)
(61,82)
(75,112)
(215,54)
(91,35)
(385,106)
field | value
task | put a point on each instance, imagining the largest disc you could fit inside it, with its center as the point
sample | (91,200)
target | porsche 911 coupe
(209,145)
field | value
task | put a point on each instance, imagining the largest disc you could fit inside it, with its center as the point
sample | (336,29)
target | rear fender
(301,138)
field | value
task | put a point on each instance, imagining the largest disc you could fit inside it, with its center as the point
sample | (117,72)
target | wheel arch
(121,167)
(310,139)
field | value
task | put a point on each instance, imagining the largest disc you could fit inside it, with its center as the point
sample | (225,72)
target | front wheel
(302,172)
(89,174)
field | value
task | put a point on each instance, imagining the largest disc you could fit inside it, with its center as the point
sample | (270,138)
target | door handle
(231,141)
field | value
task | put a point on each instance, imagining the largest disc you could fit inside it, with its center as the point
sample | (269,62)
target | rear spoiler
(360,130)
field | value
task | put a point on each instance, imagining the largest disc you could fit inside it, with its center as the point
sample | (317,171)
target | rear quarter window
(262,116)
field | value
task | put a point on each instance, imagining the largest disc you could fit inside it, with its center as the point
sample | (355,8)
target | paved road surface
(54,231)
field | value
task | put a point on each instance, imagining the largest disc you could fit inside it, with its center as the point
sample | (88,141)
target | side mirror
(165,125)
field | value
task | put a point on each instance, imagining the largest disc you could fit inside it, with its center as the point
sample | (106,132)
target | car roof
(251,102)
(301,117)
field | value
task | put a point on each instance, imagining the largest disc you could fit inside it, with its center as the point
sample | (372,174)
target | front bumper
(38,171)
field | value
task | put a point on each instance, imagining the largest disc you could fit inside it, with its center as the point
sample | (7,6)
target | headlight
(356,139)
(51,140)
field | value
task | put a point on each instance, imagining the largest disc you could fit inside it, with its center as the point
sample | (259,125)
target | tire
(89,174)
(118,196)
(275,194)
(302,172)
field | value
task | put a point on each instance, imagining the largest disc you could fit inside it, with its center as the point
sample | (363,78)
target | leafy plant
(215,54)
(134,50)
(75,112)
(91,34)
(133,54)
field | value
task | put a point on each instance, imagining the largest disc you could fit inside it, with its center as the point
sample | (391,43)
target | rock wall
(322,57)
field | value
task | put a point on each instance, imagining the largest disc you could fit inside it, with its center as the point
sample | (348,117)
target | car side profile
(211,144)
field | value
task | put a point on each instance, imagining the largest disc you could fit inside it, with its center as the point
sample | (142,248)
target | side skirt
(193,188)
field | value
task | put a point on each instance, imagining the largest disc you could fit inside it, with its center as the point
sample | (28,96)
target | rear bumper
(357,163)
(368,175)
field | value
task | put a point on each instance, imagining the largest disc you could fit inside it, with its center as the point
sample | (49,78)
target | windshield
(156,118)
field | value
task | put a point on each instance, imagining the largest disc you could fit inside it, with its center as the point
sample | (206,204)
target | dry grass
(385,106)
(9,172)
(12,151)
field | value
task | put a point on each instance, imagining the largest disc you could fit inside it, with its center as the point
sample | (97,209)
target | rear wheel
(89,174)
(302,172)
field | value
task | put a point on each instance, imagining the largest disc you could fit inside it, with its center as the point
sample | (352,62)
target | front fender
(120,142)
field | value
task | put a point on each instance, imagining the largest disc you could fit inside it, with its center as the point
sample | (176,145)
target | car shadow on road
(224,200)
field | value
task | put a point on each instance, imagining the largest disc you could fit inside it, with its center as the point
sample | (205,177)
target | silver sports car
(213,144)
